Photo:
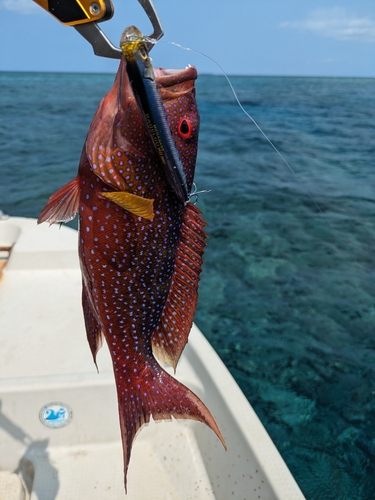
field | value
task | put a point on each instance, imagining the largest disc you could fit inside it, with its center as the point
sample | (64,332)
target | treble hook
(196,193)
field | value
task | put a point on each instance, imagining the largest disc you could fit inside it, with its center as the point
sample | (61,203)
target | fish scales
(140,250)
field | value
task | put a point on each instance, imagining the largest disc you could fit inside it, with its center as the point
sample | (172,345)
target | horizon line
(255,75)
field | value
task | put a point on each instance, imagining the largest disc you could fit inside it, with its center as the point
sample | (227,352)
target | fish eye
(185,128)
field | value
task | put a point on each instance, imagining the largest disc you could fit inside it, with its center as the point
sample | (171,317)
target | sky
(247,37)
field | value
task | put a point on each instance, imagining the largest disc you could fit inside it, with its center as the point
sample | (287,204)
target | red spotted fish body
(140,250)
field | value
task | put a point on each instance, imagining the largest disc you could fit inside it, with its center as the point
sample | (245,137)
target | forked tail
(156,393)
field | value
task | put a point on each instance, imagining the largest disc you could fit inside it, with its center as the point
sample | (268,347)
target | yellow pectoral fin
(142,207)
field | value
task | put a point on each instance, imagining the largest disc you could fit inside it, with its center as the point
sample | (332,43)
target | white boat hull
(46,362)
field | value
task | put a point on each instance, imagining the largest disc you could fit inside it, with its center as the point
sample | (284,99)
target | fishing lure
(142,79)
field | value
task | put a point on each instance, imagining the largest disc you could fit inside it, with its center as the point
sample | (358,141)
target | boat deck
(46,368)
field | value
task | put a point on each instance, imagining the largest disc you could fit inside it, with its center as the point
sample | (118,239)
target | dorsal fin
(63,205)
(171,335)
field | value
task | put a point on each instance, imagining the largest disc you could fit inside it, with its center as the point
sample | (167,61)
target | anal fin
(93,329)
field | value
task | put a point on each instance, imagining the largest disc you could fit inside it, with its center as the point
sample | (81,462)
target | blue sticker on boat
(56,415)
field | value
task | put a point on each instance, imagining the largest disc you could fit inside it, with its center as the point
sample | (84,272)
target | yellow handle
(73,12)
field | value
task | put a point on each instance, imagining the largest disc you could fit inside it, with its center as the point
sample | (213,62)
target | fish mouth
(170,77)
(170,82)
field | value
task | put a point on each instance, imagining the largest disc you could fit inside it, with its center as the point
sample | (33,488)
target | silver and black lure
(142,78)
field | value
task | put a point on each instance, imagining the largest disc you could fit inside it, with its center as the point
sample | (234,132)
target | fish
(140,249)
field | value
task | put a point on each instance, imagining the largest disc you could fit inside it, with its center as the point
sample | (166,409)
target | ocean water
(287,295)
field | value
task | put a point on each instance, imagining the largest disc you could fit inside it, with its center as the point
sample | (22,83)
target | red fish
(140,250)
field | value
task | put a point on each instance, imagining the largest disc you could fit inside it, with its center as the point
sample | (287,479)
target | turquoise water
(287,294)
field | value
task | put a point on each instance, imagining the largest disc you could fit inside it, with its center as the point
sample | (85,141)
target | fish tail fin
(63,205)
(156,394)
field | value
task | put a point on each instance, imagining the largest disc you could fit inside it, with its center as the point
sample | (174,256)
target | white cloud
(20,6)
(336,23)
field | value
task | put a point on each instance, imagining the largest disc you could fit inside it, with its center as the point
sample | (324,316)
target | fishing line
(256,124)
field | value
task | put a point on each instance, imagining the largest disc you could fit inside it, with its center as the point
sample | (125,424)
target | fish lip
(169,77)
(165,78)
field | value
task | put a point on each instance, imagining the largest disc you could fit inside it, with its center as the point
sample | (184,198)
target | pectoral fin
(141,207)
